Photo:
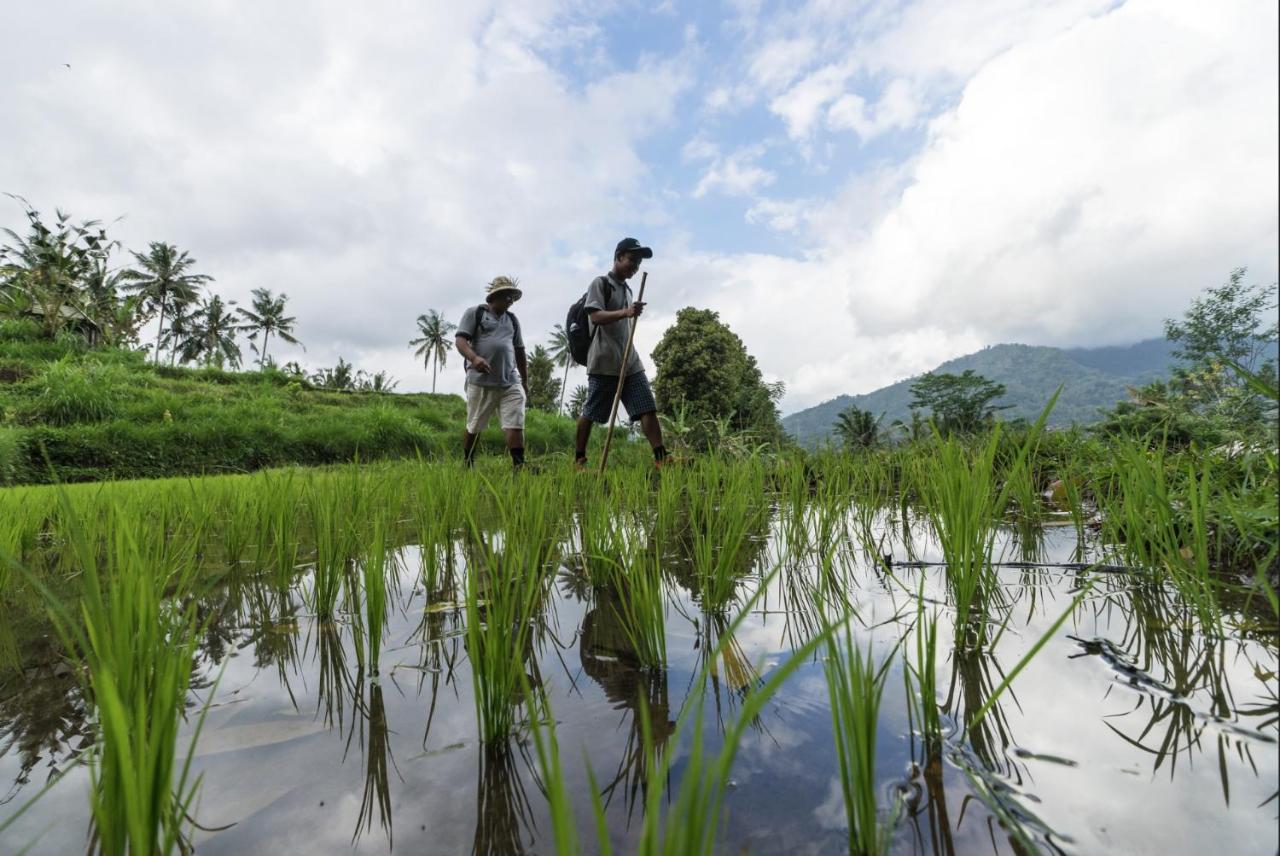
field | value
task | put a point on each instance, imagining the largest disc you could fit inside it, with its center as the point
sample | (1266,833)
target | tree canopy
(704,367)
(959,404)
(544,388)
(1233,320)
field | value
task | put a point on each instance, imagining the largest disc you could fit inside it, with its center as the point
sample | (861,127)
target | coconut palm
(578,399)
(181,319)
(562,356)
(433,344)
(211,335)
(858,428)
(267,317)
(163,279)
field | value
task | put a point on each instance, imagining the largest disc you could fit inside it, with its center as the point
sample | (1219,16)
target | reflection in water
(376,744)
(504,818)
(609,659)
(1181,675)
(1186,703)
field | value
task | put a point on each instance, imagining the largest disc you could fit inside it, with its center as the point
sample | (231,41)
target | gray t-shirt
(496,339)
(608,342)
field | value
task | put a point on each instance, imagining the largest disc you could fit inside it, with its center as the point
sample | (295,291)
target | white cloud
(736,174)
(1087,167)
(370,165)
(899,107)
(780,61)
(1088,184)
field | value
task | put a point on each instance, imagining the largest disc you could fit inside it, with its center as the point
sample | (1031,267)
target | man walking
(497,373)
(612,311)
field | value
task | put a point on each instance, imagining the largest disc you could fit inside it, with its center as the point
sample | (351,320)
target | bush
(11,465)
(68,393)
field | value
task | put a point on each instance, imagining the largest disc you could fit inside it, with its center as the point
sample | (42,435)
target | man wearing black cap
(608,303)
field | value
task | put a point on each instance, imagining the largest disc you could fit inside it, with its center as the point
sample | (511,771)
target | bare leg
(652,429)
(583,435)
(515,437)
(469,446)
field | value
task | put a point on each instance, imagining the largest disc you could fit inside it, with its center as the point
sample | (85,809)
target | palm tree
(858,428)
(162,279)
(267,317)
(561,355)
(578,399)
(212,334)
(180,327)
(433,344)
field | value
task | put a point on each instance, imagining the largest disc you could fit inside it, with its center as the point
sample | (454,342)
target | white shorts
(483,400)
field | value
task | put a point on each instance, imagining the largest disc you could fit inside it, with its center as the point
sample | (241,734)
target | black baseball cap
(631,245)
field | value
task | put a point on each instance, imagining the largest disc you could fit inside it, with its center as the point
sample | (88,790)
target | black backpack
(476,330)
(578,330)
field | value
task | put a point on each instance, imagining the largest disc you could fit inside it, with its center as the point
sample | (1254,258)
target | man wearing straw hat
(612,311)
(497,374)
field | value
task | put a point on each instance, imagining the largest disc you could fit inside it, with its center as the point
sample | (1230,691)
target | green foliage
(704,366)
(42,274)
(10,455)
(1233,321)
(857,428)
(960,404)
(69,392)
(1228,339)
(855,686)
(209,335)
(544,387)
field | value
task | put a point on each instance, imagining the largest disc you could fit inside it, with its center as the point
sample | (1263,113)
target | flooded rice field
(1080,708)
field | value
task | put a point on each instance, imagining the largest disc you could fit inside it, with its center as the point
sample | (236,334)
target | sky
(862,189)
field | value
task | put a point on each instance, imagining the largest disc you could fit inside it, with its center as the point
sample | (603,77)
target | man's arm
(463,344)
(522,365)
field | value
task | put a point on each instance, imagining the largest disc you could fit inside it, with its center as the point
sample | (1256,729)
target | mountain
(1092,378)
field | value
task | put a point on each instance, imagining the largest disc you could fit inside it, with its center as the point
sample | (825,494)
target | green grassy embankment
(109,414)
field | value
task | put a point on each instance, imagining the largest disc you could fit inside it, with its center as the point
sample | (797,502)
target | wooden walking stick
(622,368)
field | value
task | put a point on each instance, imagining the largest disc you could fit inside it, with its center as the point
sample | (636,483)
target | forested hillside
(1092,379)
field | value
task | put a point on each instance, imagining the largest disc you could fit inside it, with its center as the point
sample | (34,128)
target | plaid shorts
(637,397)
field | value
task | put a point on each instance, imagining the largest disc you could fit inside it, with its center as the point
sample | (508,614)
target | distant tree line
(60,277)
(1226,344)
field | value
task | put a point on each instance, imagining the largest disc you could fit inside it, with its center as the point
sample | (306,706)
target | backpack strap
(475,329)
(480,310)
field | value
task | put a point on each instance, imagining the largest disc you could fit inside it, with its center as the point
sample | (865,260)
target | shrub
(68,393)
(10,455)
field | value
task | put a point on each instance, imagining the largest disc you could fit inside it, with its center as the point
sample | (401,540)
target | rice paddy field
(973,646)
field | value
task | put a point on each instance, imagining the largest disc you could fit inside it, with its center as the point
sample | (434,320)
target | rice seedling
(505,586)
(136,654)
(963,506)
(724,513)
(330,523)
(1160,526)
(641,607)
(924,671)
(855,686)
(374,576)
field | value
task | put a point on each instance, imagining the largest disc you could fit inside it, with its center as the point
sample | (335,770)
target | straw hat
(500,284)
